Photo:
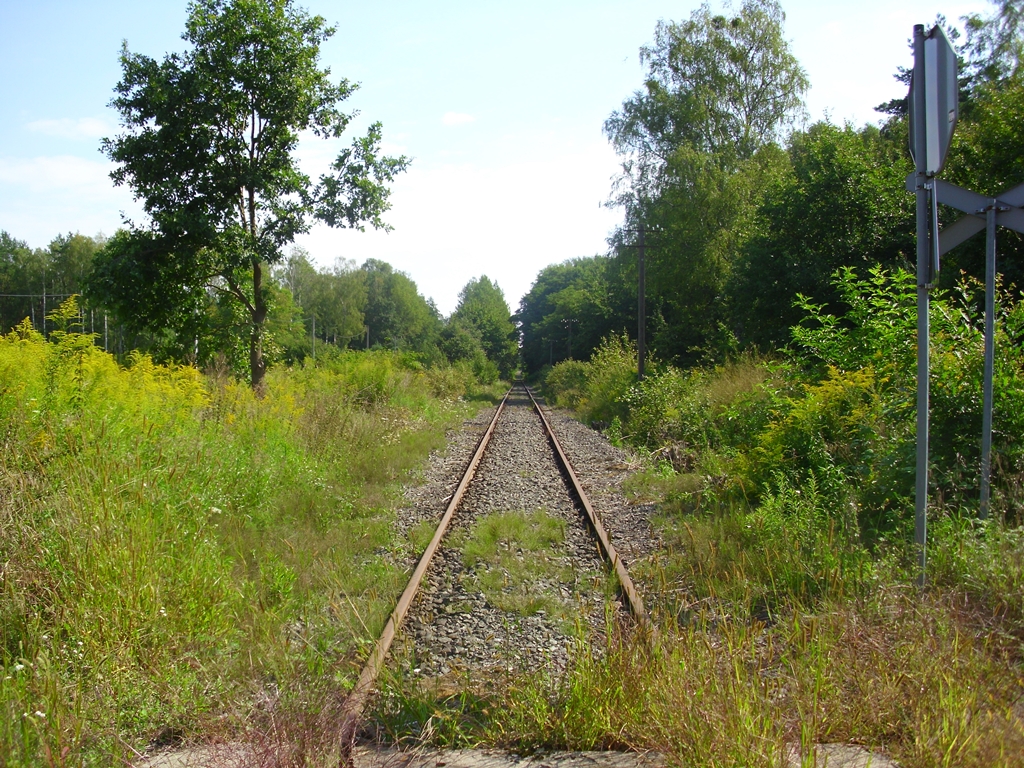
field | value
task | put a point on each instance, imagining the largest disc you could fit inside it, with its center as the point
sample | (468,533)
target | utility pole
(641,299)
(641,308)
(568,323)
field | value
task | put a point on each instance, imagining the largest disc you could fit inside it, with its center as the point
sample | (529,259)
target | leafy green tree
(840,203)
(985,156)
(695,229)
(697,145)
(397,316)
(590,297)
(70,259)
(55,272)
(482,309)
(154,295)
(16,262)
(995,44)
(331,301)
(717,85)
(209,148)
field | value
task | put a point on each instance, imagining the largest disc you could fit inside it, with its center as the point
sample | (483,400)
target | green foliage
(699,409)
(330,302)
(716,85)
(483,311)
(396,314)
(565,384)
(698,150)
(571,307)
(595,388)
(209,147)
(840,203)
(173,546)
(995,43)
(878,333)
(34,281)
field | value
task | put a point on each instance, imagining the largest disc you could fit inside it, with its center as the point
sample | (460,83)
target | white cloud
(40,197)
(457,118)
(453,222)
(55,173)
(68,128)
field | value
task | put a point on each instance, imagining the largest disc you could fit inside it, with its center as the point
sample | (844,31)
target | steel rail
(633,599)
(356,700)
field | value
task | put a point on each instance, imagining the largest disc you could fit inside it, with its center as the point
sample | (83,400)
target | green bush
(878,334)
(565,384)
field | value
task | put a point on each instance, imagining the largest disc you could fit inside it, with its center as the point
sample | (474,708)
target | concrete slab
(482,758)
(841,756)
(240,756)
(237,756)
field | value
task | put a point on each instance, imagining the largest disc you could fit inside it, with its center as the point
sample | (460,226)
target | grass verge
(181,561)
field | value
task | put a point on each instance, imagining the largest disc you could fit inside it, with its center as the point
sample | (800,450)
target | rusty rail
(353,707)
(633,599)
(364,685)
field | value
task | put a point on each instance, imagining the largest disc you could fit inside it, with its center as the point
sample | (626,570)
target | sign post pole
(990,353)
(924,259)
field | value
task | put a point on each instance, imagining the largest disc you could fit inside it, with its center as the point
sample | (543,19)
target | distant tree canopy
(34,281)
(743,215)
(571,307)
(483,313)
(209,147)
(397,316)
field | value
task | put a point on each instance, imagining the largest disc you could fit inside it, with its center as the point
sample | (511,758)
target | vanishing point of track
(580,503)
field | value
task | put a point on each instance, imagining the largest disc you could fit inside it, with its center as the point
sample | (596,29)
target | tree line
(207,145)
(312,310)
(747,211)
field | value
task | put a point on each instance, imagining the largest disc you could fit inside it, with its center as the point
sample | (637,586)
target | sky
(500,106)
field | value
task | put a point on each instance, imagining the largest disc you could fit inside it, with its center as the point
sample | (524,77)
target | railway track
(519,568)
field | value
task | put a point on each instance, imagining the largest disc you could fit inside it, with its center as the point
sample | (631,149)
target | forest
(205,430)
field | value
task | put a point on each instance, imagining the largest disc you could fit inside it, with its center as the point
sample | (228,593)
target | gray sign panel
(941,108)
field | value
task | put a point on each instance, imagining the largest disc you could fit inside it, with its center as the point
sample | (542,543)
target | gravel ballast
(455,628)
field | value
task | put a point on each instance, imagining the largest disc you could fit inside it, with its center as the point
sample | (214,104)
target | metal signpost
(641,309)
(933,80)
(933,116)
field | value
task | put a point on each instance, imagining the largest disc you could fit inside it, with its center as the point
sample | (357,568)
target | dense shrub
(173,547)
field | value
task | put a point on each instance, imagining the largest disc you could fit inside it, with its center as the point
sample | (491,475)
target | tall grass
(785,494)
(175,554)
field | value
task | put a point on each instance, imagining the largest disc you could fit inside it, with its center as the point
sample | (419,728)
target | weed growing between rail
(514,561)
(181,560)
(785,490)
(784,590)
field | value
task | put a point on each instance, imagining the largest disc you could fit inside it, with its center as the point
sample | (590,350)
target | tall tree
(331,301)
(695,143)
(397,316)
(16,267)
(840,203)
(483,309)
(995,44)
(209,148)
(718,85)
